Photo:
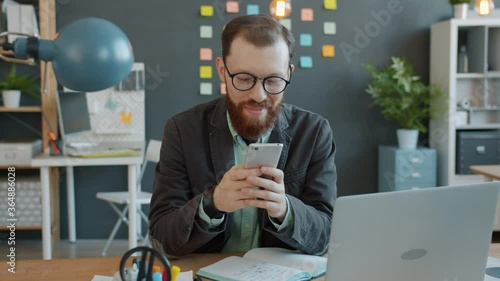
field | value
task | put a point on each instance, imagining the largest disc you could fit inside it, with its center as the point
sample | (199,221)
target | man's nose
(257,93)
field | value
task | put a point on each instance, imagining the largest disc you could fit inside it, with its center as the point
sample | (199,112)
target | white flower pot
(11,98)
(460,11)
(407,139)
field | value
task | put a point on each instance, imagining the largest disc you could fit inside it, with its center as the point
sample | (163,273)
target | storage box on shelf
(405,169)
(473,97)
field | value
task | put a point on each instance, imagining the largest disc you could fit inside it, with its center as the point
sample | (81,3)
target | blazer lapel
(221,143)
(278,135)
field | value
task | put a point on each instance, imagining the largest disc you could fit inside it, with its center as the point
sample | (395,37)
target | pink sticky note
(205,54)
(223,89)
(232,7)
(307,14)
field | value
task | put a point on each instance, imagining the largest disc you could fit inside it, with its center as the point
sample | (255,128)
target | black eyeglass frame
(255,78)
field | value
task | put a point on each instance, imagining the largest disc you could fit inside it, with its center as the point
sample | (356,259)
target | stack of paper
(21,18)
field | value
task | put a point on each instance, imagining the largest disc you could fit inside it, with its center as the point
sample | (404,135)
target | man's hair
(260,30)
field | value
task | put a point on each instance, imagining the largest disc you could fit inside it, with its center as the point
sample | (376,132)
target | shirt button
(247,226)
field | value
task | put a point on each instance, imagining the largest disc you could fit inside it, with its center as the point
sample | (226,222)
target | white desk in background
(45,162)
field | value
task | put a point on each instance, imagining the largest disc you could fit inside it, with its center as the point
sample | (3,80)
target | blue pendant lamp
(88,55)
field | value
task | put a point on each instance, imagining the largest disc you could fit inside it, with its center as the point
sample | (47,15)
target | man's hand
(271,196)
(228,196)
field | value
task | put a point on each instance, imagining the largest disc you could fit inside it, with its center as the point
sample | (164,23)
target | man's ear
(292,67)
(221,70)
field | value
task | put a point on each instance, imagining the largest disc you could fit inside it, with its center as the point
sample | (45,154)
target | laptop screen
(73,113)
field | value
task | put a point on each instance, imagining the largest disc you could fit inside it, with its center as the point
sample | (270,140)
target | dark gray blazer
(196,152)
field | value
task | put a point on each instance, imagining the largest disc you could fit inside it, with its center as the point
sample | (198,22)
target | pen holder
(146,258)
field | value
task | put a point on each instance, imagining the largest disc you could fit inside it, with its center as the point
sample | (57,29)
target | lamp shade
(88,55)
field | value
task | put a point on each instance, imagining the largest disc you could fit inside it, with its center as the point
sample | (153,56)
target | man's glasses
(273,85)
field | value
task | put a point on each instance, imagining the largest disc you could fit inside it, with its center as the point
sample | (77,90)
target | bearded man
(203,200)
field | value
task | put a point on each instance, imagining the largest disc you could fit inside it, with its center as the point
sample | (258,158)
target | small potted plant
(403,98)
(13,85)
(460,8)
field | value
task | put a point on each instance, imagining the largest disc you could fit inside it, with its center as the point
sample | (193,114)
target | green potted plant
(13,85)
(403,98)
(460,8)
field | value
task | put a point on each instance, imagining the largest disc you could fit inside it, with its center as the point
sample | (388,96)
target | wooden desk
(491,172)
(84,269)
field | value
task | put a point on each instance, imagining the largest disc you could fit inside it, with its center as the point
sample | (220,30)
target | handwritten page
(315,265)
(241,269)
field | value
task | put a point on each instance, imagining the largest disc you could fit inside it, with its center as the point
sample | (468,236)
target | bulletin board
(309,42)
(117,113)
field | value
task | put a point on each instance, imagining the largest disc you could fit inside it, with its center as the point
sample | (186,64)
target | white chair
(117,198)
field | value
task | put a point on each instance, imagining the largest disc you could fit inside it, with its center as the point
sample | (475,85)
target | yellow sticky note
(205,72)
(207,10)
(307,14)
(330,4)
(205,54)
(328,51)
(232,7)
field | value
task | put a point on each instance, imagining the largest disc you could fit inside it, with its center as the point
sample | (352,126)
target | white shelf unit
(480,86)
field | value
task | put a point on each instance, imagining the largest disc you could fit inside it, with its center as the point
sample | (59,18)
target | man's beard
(251,128)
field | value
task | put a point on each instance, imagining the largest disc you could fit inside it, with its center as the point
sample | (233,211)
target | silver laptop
(74,120)
(434,234)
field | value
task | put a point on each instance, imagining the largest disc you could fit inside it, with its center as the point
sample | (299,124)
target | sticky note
(232,7)
(205,72)
(330,4)
(207,10)
(252,9)
(205,88)
(306,62)
(286,23)
(307,14)
(206,31)
(328,51)
(306,39)
(205,53)
(223,89)
(329,28)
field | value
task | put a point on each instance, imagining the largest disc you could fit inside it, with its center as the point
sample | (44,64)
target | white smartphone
(263,154)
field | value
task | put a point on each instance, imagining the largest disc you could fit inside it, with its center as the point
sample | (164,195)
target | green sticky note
(206,31)
(205,88)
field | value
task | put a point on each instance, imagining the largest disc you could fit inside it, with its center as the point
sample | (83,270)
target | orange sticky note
(232,7)
(328,51)
(126,117)
(307,14)
(223,89)
(207,10)
(205,54)
(330,4)
(205,72)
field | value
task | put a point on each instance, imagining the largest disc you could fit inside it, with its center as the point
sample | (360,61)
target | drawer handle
(416,175)
(416,160)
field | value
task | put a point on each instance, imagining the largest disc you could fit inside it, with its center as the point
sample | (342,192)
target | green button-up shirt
(245,230)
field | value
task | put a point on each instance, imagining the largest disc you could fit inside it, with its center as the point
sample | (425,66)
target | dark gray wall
(165,36)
